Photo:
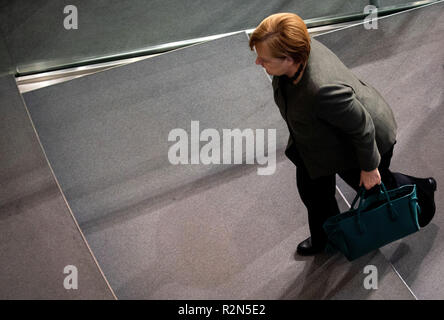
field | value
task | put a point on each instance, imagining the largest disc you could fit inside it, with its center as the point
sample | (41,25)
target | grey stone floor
(38,234)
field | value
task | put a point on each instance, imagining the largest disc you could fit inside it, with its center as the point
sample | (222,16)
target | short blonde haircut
(285,34)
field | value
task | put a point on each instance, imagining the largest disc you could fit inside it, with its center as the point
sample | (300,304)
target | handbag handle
(393,214)
(360,195)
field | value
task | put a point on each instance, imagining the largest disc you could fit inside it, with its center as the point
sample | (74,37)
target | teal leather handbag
(379,219)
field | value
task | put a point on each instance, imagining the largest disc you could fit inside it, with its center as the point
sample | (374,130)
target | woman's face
(273,66)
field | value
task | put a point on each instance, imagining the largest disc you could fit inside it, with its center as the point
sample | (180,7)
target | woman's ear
(289,59)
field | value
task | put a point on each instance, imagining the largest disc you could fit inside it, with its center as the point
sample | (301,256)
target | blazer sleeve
(338,105)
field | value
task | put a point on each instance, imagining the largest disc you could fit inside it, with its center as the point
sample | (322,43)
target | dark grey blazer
(336,121)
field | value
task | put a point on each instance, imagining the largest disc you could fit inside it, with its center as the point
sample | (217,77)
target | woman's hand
(370,178)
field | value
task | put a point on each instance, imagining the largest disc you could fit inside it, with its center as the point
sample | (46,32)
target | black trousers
(318,195)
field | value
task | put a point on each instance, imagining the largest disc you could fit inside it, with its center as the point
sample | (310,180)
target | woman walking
(337,124)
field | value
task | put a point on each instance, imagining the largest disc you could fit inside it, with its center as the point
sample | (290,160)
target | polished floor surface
(39,237)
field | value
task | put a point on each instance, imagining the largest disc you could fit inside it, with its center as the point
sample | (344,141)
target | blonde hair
(285,35)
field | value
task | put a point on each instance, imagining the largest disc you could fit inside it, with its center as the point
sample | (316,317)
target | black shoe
(425,190)
(305,248)
(426,199)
